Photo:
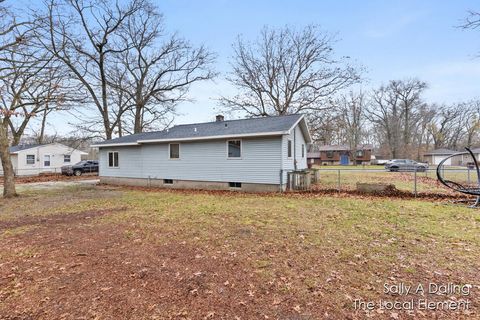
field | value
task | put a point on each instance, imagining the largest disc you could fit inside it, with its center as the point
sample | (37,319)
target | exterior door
(344,159)
(46,160)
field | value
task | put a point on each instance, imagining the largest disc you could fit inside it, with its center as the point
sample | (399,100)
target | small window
(359,153)
(303,151)
(174,150)
(289,148)
(46,160)
(66,158)
(235,185)
(329,154)
(30,159)
(234,148)
(167,181)
(113,159)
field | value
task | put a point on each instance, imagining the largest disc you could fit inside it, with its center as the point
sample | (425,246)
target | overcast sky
(391,39)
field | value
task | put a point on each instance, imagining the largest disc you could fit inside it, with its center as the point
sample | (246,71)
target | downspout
(281,163)
(295,149)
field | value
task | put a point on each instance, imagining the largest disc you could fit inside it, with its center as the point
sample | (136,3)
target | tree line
(395,118)
(115,67)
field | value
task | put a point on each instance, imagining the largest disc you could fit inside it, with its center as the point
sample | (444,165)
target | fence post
(338,180)
(415,182)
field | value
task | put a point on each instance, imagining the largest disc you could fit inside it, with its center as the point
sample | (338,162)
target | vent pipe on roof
(220,118)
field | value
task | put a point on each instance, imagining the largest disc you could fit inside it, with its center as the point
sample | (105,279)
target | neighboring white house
(434,157)
(250,154)
(39,158)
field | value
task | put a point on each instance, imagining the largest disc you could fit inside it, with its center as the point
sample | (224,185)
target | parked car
(86,166)
(395,165)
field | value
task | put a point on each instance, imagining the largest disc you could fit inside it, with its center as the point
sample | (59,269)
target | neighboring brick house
(339,155)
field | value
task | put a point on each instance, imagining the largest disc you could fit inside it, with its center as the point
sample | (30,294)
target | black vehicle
(86,166)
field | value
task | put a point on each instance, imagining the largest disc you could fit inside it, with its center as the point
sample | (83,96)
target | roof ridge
(232,120)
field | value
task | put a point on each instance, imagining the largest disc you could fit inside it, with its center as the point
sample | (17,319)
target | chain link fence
(34,171)
(346,179)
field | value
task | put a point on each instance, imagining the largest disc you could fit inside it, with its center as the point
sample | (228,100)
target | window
(167,181)
(234,148)
(359,153)
(235,184)
(303,151)
(174,150)
(46,160)
(66,158)
(289,148)
(113,159)
(329,154)
(30,159)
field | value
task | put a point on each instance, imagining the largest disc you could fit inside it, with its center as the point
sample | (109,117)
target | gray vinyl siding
(130,161)
(199,161)
(297,141)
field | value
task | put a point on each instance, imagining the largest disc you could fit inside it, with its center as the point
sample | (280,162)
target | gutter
(138,142)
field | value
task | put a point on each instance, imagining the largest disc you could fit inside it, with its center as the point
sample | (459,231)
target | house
(434,157)
(33,159)
(339,154)
(249,154)
(464,158)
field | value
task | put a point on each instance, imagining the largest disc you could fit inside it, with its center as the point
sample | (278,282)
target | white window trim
(49,160)
(179,151)
(241,149)
(26,159)
(303,150)
(69,156)
(291,149)
(108,160)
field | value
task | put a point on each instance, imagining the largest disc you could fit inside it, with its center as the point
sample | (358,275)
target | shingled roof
(264,126)
(22,147)
(441,151)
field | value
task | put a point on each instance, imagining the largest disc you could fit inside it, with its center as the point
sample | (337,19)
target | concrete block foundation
(187,184)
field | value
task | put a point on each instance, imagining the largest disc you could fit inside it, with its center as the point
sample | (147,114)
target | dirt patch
(50,220)
(98,271)
(51,177)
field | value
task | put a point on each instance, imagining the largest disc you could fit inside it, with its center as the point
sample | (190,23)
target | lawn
(117,253)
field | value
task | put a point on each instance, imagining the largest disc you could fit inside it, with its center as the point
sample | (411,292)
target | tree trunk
(42,128)
(8,173)
(108,132)
(138,125)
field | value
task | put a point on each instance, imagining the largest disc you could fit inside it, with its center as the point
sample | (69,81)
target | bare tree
(85,36)
(472,21)
(158,69)
(35,85)
(394,110)
(287,71)
(324,128)
(351,109)
(472,123)
(426,114)
(13,34)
